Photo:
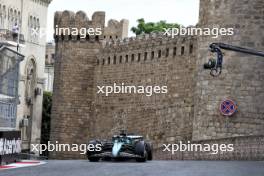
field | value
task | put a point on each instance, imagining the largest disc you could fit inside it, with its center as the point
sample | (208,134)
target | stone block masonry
(245,148)
(189,111)
(242,77)
(146,62)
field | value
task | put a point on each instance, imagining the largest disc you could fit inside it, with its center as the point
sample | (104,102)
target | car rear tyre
(140,149)
(149,151)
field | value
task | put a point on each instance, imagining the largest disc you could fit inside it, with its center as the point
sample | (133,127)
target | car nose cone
(116,148)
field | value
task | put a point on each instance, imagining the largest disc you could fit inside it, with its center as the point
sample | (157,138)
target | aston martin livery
(122,146)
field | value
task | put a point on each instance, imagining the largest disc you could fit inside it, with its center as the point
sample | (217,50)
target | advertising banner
(10,146)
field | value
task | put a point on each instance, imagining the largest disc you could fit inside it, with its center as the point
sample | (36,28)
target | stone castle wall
(242,78)
(190,109)
(147,61)
(73,83)
(142,61)
(245,148)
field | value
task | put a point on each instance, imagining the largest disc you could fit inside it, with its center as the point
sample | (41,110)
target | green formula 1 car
(122,146)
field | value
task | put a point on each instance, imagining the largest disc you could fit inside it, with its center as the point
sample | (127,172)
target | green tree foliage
(46,114)
(147,28)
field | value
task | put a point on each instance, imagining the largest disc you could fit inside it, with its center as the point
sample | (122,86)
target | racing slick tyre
(140,149)
(90,154)
(149,151)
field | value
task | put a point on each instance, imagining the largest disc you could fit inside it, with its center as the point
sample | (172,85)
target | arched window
(4,11)
(15,17)
(159,54)
(182,50)
(10,15)
(152,55)
(19,17)
(174,51)
(30,22)
(145,56)
(167,52)
(10,19)
(38,23)
(34,23)
(109,60)
(1,15)
(132,58)
(31,79)
(126,58)
(191,49)
(114,60)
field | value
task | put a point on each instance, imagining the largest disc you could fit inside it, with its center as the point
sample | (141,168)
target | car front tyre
(90,154)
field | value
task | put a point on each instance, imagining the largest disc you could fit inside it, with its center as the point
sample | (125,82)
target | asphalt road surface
(152,168)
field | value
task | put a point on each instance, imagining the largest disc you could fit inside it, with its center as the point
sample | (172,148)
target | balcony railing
(9,80)
(7,35)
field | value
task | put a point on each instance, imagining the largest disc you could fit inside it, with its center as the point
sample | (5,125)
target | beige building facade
(31,17)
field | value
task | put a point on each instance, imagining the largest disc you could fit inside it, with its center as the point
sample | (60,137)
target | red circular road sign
(228,107)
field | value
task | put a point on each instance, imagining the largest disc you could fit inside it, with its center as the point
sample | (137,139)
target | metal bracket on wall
(215,65)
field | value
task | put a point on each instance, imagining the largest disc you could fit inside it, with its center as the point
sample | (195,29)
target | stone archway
(30,86)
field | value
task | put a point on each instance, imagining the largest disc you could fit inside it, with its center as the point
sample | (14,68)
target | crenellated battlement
(68,20)
(146,48)
(79,19)
(147,39)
